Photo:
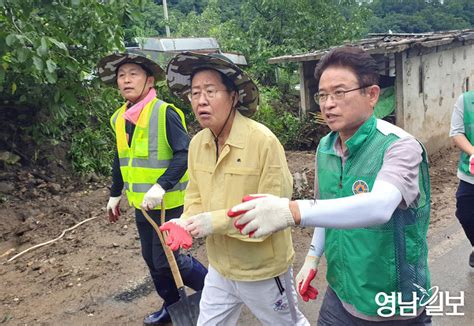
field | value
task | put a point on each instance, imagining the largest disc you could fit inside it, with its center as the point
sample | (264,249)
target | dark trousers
(333,313)
(155,257)
(465,208)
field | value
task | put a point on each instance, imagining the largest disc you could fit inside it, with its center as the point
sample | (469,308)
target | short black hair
(360,62)
(228,83)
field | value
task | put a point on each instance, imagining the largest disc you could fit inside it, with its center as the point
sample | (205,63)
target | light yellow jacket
(252,161)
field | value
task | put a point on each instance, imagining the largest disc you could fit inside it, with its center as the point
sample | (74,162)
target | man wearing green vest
(462,133)
(372,205)
(151,164)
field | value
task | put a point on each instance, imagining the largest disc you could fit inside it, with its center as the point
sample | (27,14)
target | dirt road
(95,275)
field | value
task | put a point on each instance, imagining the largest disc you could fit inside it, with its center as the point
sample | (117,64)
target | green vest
(468,129)
(392,257)
(149,154)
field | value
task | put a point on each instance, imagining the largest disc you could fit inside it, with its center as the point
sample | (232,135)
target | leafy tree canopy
(418,16)
(49,49)
(48,52)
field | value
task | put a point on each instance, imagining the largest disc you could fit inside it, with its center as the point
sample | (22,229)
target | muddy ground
(95,275)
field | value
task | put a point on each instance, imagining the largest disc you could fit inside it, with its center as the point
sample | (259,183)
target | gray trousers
(333,313)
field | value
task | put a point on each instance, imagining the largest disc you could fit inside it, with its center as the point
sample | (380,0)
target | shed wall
(431,85)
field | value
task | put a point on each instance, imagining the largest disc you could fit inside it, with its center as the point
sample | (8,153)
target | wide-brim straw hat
(107,66)
(182,66)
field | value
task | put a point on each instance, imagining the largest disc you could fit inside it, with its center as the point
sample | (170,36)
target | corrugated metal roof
(389,43)
(179,44)
(161,49)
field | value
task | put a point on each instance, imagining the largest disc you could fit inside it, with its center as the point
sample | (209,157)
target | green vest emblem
(359,187)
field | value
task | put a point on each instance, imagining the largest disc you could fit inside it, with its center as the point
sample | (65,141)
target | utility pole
(165,10)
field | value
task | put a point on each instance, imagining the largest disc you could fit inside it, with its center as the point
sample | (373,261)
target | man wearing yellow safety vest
(151,164)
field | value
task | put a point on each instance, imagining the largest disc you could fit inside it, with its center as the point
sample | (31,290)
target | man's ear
(151,80)
(374,92)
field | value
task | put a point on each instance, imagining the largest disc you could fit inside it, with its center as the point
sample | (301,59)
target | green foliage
(419,16)
(146,19)
(262,29)
(187,6)
(165,94)
(278,119)
(49,49)
(93,139)
(287,78)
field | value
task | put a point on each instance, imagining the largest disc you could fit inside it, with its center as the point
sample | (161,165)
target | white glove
(265,215)
(200,225)
(153,197)
(471,164)
(113,209)
(305,276)
(179,221)
(177,235)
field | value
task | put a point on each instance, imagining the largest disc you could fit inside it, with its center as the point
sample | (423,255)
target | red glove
(305,289)
(113,209)
(231,213)
(471,164)
(305,276)
(177,237)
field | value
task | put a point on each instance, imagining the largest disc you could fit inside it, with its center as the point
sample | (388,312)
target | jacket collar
(133,112)
(237,136)
(365,131)
(353,143)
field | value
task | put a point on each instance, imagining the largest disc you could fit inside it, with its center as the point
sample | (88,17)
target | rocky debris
(6,187)
(300,181)
(90,177)
(28,225)
(54,188)
(9,158)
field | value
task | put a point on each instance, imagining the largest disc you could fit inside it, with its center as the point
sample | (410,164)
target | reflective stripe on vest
(144,187)
(149,154)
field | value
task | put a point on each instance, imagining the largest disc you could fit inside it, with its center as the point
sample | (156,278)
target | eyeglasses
(337,95)
(208,93)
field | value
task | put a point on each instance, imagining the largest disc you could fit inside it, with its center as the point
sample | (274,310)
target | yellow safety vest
(149,154)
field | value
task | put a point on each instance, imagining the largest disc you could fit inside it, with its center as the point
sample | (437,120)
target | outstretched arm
(269,214)
(373,208)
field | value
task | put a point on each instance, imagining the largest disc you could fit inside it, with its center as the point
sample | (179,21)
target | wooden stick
(50,241)
(168,252)
(6,253)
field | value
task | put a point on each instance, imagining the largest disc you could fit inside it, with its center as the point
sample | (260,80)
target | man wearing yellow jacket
(231,157)
(150,163)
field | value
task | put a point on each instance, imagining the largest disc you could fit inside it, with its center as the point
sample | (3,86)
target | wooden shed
(426,73)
